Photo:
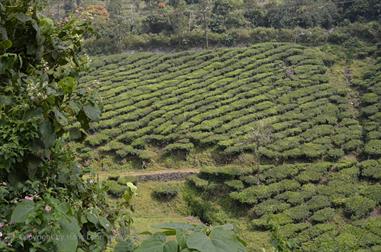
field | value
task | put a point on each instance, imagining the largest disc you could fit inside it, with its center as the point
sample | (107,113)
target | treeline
(133,24)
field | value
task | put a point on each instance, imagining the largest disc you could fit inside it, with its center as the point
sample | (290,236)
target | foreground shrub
(187,237)
(45,204)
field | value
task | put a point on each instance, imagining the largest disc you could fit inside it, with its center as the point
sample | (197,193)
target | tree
(305,13)
(205,9)
(45,204)
(220,12)
(260,135)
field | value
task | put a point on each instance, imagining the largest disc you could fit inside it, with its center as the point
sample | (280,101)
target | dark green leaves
(219,240)
(60,117)
(48,136)
(68,236)
(157,243)
(193,238)
(92,112)
(39,104)
(7,62)
(6,100)
(22,210)
(5,44)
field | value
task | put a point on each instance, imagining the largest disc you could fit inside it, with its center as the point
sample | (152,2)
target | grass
(149,211)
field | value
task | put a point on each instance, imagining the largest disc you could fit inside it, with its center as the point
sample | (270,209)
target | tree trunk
(206,30)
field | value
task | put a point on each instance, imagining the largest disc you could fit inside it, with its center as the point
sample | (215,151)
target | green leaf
(105,223)
(60,117)
(174,226)
(5,44)
(201,242)
(171,246)
(92,112)
(220,240)
(75,133)
(23,18)
(68,84)
(48,135)
(123,246)
(67,238)
(7,62)
(32,166)
(181,238)
(74,107)
(22,210)
(92,218)
(226,240)
(155,243)
(6,100)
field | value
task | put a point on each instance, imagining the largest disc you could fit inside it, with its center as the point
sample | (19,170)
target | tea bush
(272,100)
(165,193)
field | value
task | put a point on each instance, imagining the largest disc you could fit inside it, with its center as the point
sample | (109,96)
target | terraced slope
(319,206)
(370,89)
(318,167)
(272,99)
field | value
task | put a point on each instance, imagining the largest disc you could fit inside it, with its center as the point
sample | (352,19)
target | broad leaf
(92,112)
(226,240)
(22,210)
(74,107)
(6,100)
(5,44)
(183,226)
(181,238)
(220,240)
(48,135)
(105,223)
(154,244)
(92,218)
(67,238)
(123,246)
(68,84)
(60,117)
(171,246)
(201,242)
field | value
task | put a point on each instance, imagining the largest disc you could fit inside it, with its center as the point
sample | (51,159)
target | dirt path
(163,175)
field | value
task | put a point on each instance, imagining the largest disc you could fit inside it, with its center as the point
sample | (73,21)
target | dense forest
(190,125)
(180,24)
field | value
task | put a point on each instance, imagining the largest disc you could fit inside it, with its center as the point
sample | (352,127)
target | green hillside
(190,125)
(293,136)
(272,99)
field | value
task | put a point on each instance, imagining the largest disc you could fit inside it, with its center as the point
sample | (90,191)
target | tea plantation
(317,155)
(272,99)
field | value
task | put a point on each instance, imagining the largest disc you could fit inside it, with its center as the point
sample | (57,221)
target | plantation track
(167,175)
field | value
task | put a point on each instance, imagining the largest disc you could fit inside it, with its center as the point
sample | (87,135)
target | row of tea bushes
(310,201)
(271,99)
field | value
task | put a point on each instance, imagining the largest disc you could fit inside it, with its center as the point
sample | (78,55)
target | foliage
(45,202)
(357,206)
(187,103)
(306,208)
(165,193)
(115,189)
(193,238)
